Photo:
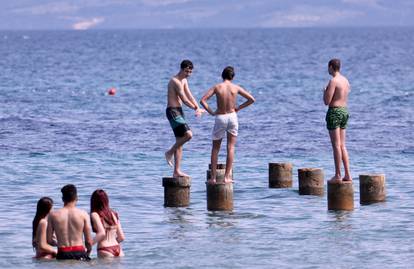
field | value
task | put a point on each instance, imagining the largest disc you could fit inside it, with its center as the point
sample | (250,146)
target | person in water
(226,121)
(106,225)
(336,97)
(179,92)
(72,228)
(39,240)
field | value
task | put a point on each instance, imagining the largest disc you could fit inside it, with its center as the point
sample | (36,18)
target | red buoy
(112,91)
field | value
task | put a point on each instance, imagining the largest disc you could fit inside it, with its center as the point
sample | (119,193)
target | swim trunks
(175,116)
(337,117)
(114,250)
(225,123)
(72,253)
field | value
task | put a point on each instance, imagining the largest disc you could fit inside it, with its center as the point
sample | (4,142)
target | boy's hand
(199,112)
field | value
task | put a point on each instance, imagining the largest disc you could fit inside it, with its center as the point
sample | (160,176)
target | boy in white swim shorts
(226,119)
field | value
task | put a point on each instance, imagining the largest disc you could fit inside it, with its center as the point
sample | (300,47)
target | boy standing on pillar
(178,93)
(336,97)
(226,119)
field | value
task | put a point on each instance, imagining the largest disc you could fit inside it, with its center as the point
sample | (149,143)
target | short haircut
(186,64)
(69,193)
(228,73)
(335,64)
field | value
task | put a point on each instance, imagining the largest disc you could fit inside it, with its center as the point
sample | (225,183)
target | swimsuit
(72,253)
(175,116)
(114,250)
(337,117)
(225,123)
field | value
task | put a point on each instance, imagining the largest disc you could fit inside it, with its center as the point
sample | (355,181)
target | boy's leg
(214,158)
(345,157)
(336,147)
(178,154)
(179,141)
(231,143)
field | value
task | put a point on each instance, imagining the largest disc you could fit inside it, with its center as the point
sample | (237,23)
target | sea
(58,125)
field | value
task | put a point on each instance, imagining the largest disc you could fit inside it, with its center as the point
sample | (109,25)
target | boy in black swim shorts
(178,93)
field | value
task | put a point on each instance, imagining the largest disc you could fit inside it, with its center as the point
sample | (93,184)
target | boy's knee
(188,135)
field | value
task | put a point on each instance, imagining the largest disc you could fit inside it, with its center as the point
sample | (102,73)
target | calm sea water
(58,126)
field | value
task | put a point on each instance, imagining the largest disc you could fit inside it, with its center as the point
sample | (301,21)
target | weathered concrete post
(280,175)
(340,195)
(176,191)
(311,181)
(371,188)
(219,194)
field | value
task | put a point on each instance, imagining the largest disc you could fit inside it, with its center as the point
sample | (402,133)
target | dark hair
(335,64)
(186,64)
(43,208)
(69,193)
(100,205)
(228,73)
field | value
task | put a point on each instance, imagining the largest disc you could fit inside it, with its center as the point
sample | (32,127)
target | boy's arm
(329,92)
(87,233)
(204,99)
(49,231)
(191,98)
(250,99)
(180,92)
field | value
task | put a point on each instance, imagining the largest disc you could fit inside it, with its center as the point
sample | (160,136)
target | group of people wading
(68,228)
(226,120)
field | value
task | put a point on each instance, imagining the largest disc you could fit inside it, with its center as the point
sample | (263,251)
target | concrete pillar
(371,188)
(311,181)
(220,194)
(176,191)
(280,175)
(341,195)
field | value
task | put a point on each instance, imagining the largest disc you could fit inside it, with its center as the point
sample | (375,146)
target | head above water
(228,73)
(69,193)
(334,65)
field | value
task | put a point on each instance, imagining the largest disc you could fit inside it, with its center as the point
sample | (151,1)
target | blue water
(58,126)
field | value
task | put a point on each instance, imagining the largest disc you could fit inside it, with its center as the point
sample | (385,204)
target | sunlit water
(58,126)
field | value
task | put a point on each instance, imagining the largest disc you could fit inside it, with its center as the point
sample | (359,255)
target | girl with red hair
(106,225)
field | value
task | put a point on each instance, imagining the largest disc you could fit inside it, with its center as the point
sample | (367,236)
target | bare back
(69,224)
(226,94)
(336,94)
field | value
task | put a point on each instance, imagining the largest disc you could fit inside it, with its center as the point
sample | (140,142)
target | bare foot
(180,174)
(347,178)
(211,181)
(169,158)
(335,179)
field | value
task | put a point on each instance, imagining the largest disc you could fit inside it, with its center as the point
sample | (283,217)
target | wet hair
(100,205)
(228,73)
(69,193)
(44,205)
(335,64)
(186,64)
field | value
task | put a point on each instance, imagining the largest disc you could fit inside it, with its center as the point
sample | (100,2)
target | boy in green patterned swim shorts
(336,97)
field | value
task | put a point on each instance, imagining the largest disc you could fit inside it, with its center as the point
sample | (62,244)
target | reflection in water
(222,219)
(341,219)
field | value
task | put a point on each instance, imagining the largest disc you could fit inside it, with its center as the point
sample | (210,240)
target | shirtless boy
(336,97)
(70,225)
(226,119)
(178,93)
